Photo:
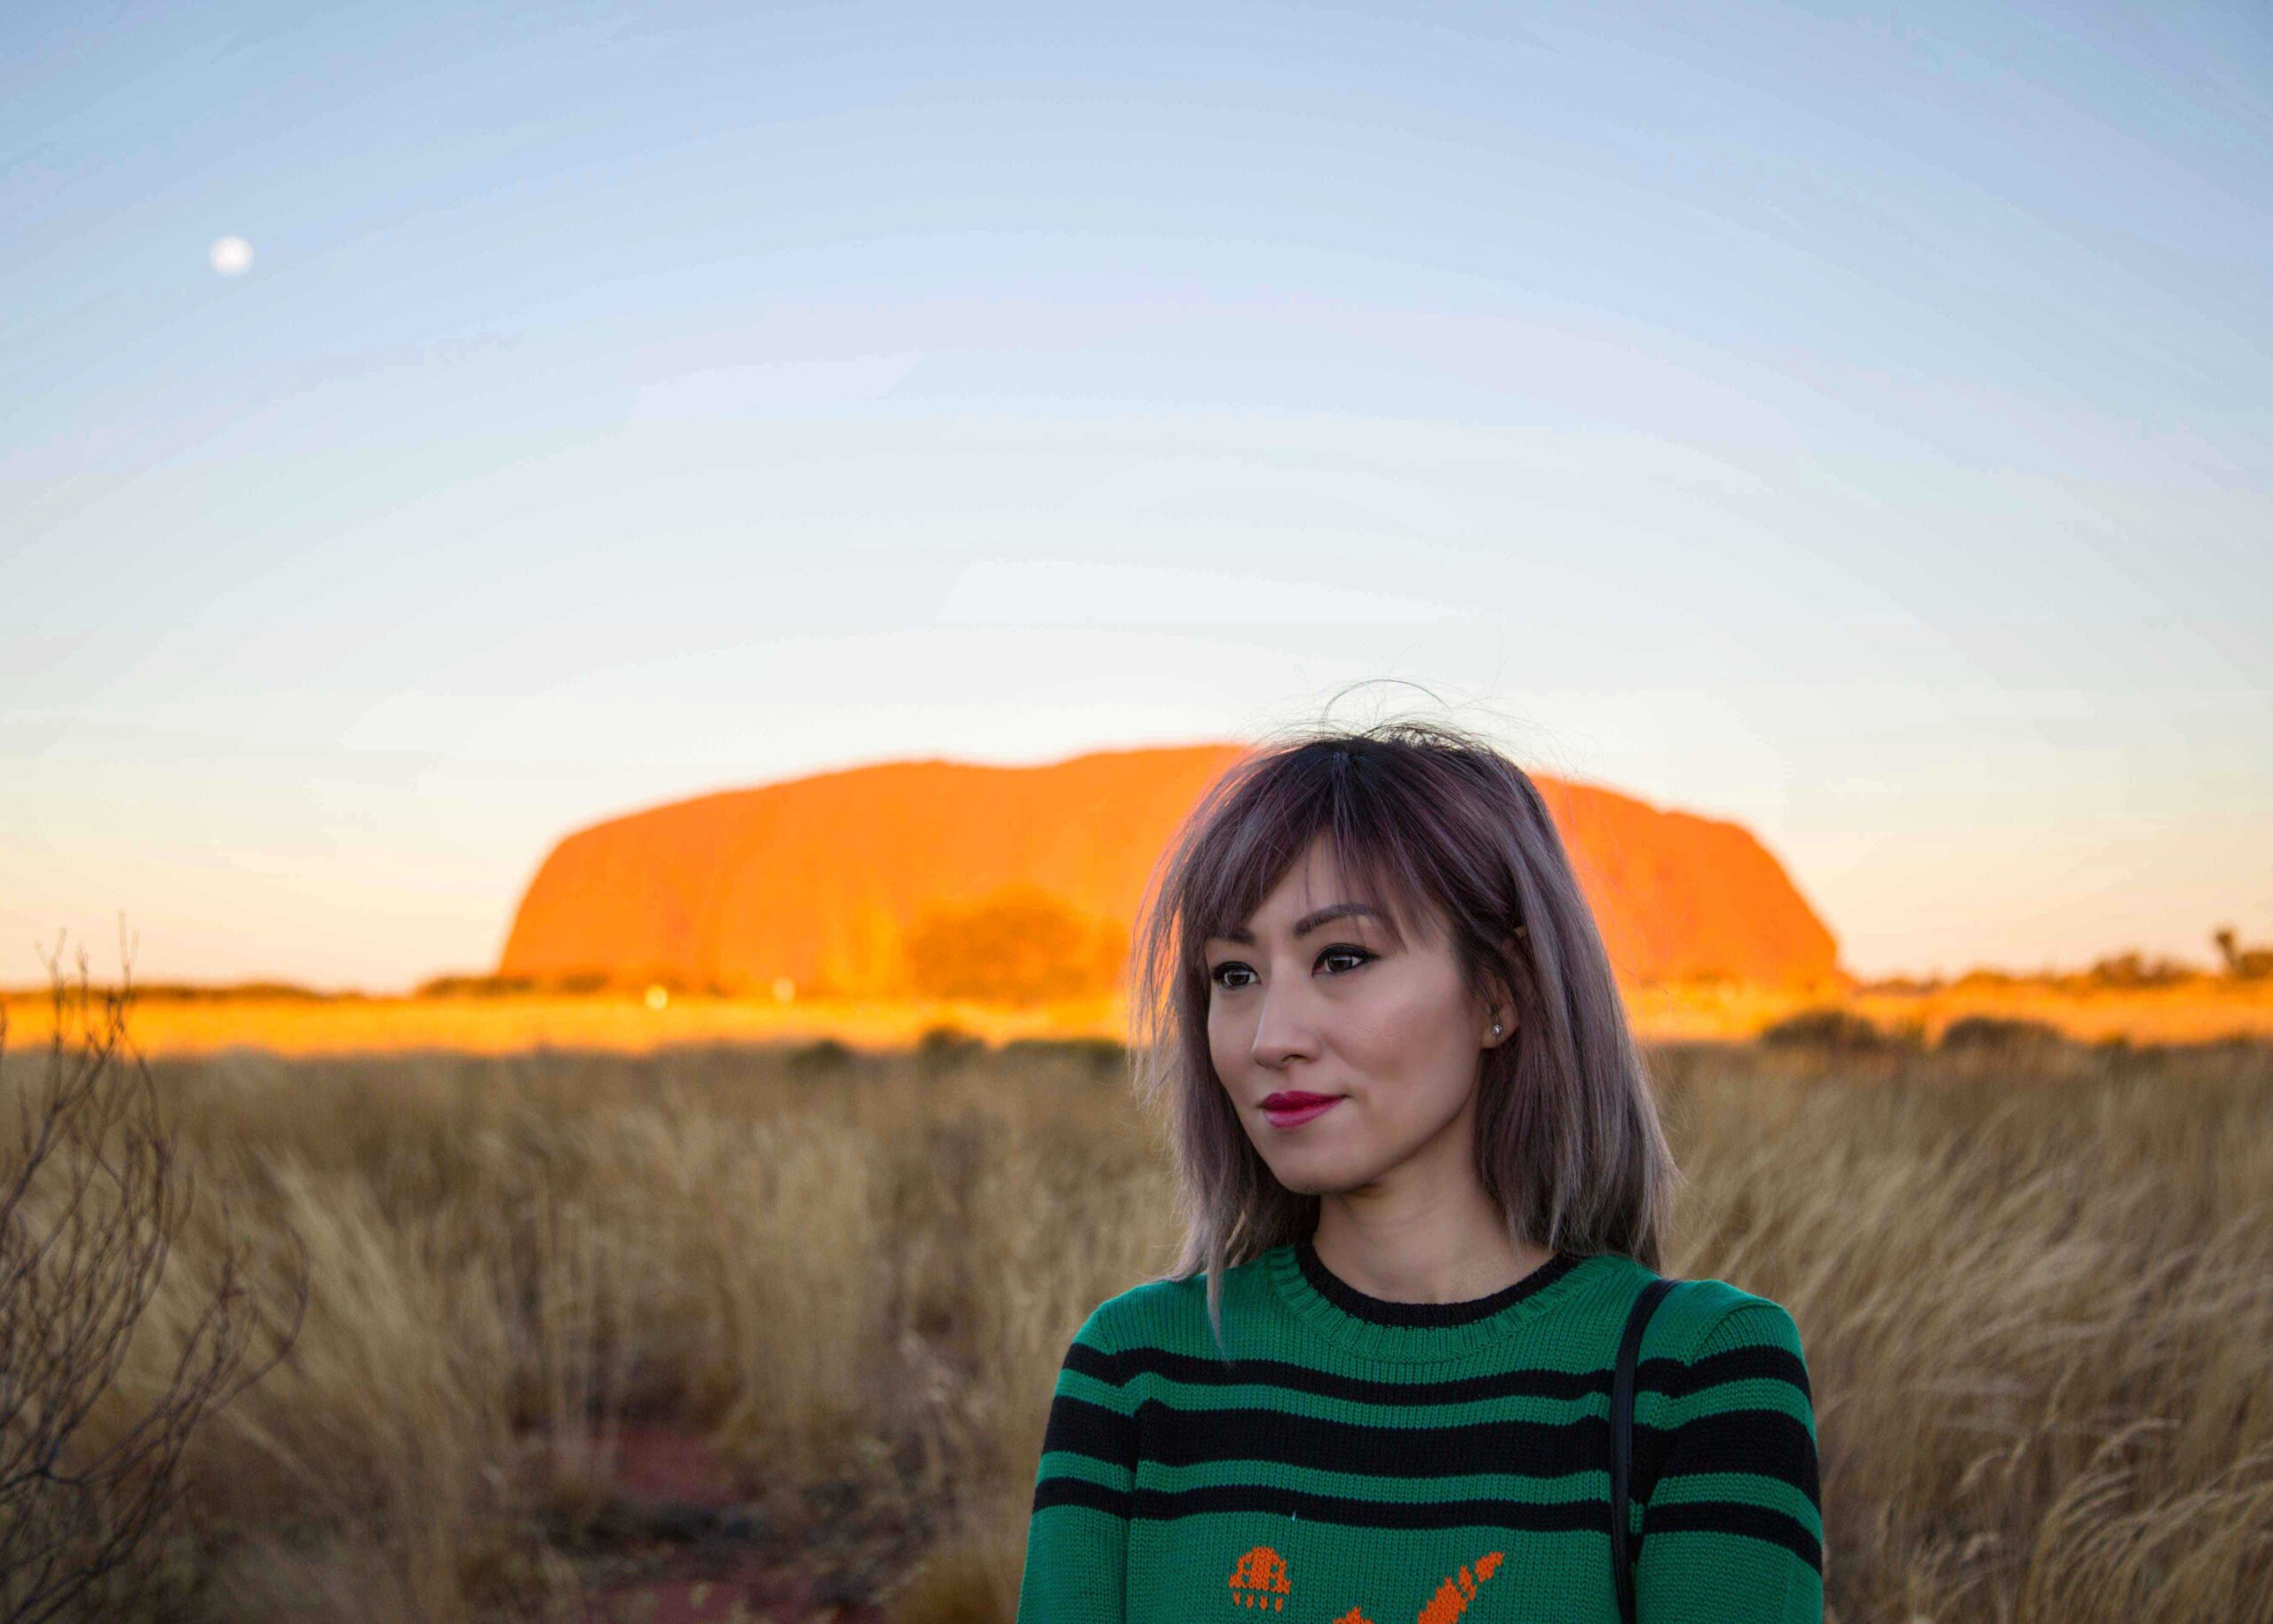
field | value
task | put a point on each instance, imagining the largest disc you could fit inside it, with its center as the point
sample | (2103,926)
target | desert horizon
(873,903)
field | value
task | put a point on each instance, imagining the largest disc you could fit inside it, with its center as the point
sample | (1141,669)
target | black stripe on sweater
(1569,1516)
(1768,1443)
(1096,1364)
(1732,1441)
(1730,1517)
(1079,1427)
(1080,1491)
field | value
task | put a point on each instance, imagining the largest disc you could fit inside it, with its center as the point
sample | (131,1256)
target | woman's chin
(1303,1175)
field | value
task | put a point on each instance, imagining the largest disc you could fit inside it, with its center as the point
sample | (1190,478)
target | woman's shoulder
(1167,1310)
(1704,1317)
(1697,1310)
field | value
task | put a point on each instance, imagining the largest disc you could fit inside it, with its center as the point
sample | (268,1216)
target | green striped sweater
(1358,1460)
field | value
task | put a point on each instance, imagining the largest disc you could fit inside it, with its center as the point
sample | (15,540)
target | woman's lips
(1295,1115)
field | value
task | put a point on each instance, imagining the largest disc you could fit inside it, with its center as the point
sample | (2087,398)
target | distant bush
(1996,1032)
(1904,986)
(1829,1028)
(576,983)
(1988,977)
(942,1047)
(196,992)
(474,986)
(2136,969)
(820,1058)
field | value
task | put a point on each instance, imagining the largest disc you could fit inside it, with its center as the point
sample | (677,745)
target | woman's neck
(1441,1257)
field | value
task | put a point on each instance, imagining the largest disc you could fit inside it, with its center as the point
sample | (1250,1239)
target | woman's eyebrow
(1307,923)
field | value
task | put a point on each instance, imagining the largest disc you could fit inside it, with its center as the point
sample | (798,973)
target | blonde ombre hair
(1427,823)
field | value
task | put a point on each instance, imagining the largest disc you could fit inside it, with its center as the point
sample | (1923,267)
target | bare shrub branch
(92,1196)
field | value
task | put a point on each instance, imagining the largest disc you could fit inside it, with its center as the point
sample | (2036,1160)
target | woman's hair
(1422,821)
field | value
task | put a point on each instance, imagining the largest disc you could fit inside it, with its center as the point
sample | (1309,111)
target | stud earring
(1495,1028)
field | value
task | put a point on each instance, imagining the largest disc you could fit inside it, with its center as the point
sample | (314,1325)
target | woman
(1424,1181)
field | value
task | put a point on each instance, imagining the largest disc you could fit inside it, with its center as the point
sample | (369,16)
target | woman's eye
(1340,951)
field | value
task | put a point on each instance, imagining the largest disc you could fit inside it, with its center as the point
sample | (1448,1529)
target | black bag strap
(1621,1440)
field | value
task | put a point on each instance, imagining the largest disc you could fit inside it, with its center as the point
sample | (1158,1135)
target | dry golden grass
(2036,1290)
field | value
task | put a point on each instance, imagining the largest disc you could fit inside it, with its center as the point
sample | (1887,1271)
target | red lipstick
(1291,1108)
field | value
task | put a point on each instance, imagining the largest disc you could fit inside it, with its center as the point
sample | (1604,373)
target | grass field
(674,1333)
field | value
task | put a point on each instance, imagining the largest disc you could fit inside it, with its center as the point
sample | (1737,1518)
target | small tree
(1827,1028)
(2242,963)
(92,1196)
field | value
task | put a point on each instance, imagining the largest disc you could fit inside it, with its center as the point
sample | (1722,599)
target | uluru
(943,878)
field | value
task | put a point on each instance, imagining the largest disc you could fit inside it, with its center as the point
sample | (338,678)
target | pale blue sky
(1852,424)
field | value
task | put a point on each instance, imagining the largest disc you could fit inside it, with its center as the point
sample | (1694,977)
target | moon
(231,256)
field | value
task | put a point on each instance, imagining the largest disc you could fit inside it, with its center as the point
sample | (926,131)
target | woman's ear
(1501,1000)
(1499,1014)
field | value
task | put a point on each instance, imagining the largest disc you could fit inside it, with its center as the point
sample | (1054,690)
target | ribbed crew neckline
(1414,1333)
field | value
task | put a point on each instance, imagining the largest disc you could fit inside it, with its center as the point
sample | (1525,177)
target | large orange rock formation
(959,880)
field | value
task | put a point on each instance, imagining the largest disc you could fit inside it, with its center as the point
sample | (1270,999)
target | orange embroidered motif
(1259,1579)
(1452,1597)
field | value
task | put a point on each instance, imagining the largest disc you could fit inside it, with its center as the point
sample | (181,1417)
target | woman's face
(1339,1010)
